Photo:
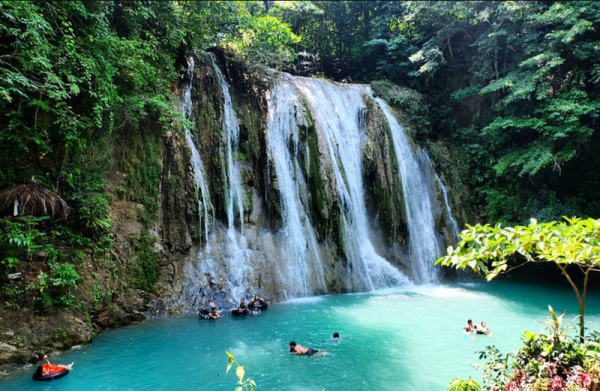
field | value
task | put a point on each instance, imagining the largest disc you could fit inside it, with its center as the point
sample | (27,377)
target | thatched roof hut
(33,199)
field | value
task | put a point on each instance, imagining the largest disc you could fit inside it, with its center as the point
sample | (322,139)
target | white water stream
(303,263)
(237,263)
(338,115)
(449,214)
(201,189)
(338,112)
(423,243)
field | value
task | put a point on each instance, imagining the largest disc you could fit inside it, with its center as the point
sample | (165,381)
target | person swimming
(483,329)
(254,308)
(336,337)
(299,350)
(214,314)
(470,328)
(243,307)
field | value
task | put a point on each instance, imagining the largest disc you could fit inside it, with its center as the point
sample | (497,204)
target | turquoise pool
(403,339)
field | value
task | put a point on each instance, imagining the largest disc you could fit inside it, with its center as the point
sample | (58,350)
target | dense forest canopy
(512,86)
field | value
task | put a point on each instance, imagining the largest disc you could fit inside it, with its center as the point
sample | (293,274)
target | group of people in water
(295,348)
(254,308)
(473,329)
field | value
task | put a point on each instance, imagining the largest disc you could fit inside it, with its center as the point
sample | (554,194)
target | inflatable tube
(57,373)
(237,312)
(203,314)
(262,305)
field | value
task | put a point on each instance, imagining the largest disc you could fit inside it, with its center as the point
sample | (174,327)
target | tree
(497,250)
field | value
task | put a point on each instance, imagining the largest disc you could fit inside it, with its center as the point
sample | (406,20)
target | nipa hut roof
(34,200)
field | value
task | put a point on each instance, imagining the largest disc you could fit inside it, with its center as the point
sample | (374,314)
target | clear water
(404,339)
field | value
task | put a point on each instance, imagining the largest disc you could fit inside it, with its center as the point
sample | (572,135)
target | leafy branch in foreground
(243,384)
(497,250)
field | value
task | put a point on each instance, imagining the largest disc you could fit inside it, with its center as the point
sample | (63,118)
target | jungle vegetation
(512,89)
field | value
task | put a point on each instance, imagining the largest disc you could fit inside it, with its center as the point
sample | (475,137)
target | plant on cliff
(145,264)
(553,360)
(572,245)
(24,241)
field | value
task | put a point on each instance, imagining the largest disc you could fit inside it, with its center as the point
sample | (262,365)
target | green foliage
(100,297)
(464,385)
(145,267)
(489,249)
(24,240)
(19,240)
(265,40)
(143,167)
(57,334)
(243,384)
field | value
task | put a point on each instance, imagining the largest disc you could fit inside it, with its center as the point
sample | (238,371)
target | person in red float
(50,369)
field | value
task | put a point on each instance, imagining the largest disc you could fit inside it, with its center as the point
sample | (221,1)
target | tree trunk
(580,299)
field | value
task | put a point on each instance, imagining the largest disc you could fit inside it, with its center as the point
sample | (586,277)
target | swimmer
(254,308)
(214,314)
(300,350)
(336,337)
(483,329)
(470,328)
(243,307)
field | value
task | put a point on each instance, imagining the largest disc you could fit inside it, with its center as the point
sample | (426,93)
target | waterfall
(449,215)
(302,260)
(423,243)
(338,112)
(236,260)
(451,219)
(201,189)
(307,116)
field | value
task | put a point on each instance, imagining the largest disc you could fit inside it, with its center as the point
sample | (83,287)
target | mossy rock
(413,107)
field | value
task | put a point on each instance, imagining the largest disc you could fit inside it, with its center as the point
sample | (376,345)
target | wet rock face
(383,189)
(7,352)
(176,206)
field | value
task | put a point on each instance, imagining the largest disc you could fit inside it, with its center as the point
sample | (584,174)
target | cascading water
(423,242)
(450,216)
(236,260)
(451,219)
(293,267)
(302,261)
(338,112)
(201,189)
